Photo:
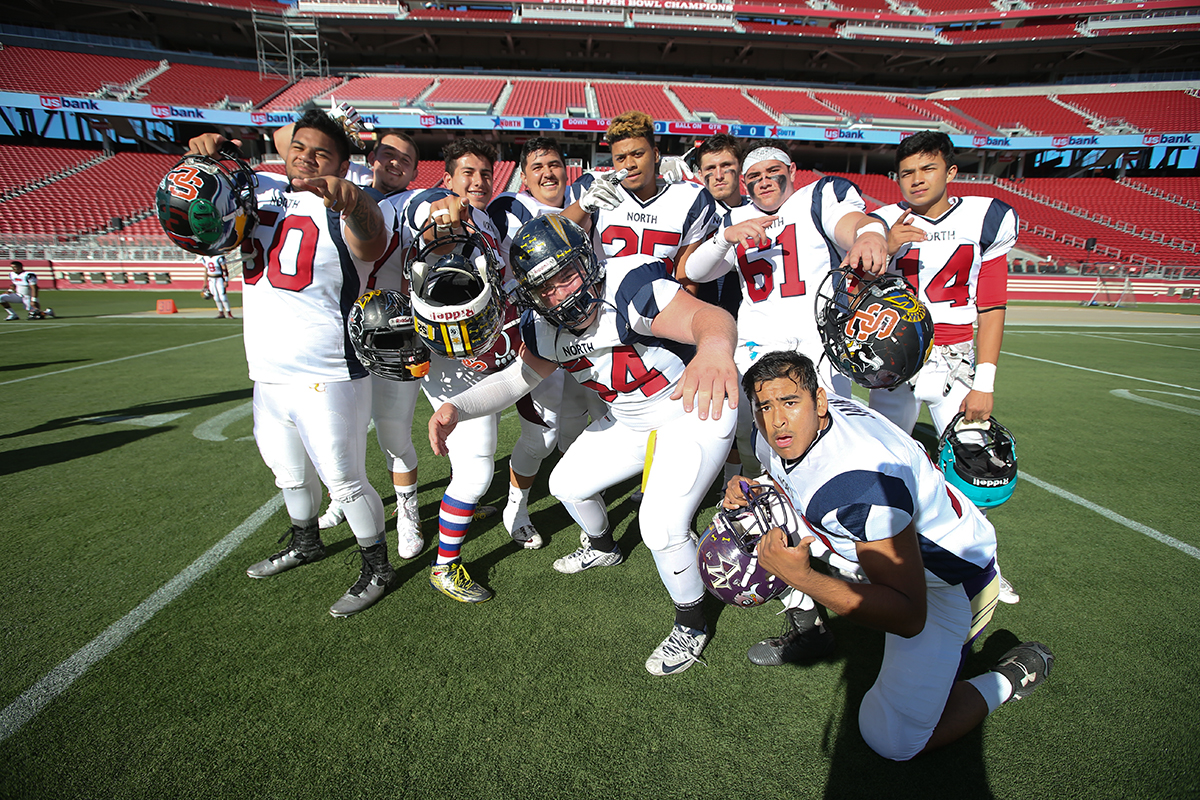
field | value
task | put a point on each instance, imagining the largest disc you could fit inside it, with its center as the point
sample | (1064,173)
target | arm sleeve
(712,259)
(498,391)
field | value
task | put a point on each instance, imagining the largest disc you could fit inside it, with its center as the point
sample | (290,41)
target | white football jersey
(511,210)
(617,356)
(214,266)
(946,269)
(23,280)
(298,290)
(780,281)
(388,271)
(679,214)
(863,480)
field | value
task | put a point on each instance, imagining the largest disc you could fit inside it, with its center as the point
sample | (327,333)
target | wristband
(985,378)
(873,227)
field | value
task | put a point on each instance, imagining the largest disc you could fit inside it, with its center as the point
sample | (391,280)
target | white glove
(345,115)
(603,194)
(673,169)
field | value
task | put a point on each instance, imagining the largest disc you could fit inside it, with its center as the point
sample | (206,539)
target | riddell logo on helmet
(451,316)
(988,482)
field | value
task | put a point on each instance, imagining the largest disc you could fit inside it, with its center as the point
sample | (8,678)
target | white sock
(404,493)
(993,687)
(516,512)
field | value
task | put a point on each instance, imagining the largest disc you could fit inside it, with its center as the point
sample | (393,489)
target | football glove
(347,116)
(673,169)
(603,194)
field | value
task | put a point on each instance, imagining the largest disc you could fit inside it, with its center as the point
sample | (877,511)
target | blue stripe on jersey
(529,333)
(703,205)
(841,187)
(816,212)
(499,211)
(946,565)
(991,225)
(424,196)
(349,293)
(636,290)
(853,494)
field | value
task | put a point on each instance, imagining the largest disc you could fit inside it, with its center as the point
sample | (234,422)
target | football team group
(650,321)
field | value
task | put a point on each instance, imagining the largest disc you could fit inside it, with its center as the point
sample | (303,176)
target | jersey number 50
(297,234)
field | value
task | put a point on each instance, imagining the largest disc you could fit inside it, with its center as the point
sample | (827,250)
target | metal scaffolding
(289,47)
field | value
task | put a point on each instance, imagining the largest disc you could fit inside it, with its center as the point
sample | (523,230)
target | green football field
(139,661)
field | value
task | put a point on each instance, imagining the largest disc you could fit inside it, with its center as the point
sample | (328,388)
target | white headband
(764,154)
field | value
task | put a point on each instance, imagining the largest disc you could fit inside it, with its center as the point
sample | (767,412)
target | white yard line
(59,679)
(1170,541)
(116,360)
(1099,371)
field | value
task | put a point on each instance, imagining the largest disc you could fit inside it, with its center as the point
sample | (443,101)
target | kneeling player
(870,494)
(622,329)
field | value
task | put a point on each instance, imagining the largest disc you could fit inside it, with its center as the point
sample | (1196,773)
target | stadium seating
(393,90)
(1148,111)
(21,165)
(481,92)
(540,98)
(1124,205)
(1033,112)
(932,109)
(616,98)
(797,28)
(301,92)
(466,14)
(118,188)
(792,102)
(875,106)
(191,85)
(1181,191)
(1020,33)
(269,6)
(27,69)
(723,102)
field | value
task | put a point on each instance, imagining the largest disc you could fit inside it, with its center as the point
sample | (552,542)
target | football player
(216,276)
(643,214)
(316,239)
(23,289)
(393,164)
(558,409)
(954,253)
(621,329)
(870,494)
(467,188)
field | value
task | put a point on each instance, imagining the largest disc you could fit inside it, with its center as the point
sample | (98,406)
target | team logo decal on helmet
(206,204)
(726,555)
(456,298)
(384,336)
(551,251)
(875,331)
(980,459)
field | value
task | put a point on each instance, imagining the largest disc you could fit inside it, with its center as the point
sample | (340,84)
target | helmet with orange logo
(206,204)
(874,330)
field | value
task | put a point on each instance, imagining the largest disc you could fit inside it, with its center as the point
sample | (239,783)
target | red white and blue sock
(453,520)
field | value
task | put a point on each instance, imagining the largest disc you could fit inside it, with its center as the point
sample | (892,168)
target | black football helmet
(456,297)
(384,336)
(546,248)
(980,459)
(874,330)
(206,204)
(726,555)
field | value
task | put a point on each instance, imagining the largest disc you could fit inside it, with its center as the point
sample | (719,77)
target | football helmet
(979,459)
(726,555)
(206,204)
(874,330)
(554,249)
(456,296)
(385,338)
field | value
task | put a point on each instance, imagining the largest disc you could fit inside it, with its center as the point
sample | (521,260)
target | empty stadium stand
(722,102)
(1035,113)
(192,85)
(1018,33)
(28,69)
(793,102)
(21,166)
(476,93)
(537,98)
(301,92)
(615,98)
(1147,111)
(393,90)
(871,106)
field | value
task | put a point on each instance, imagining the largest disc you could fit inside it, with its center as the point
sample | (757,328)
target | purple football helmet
(727,557)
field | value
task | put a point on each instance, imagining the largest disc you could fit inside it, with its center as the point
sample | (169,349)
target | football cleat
(805,639)
(587,557)
(1026,666)
(453,581)
(677,652)
(527,536)
(333,516)
(483,512)
(1007,593)
(12,317)
(375,578)
(305,546)
(409,540)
